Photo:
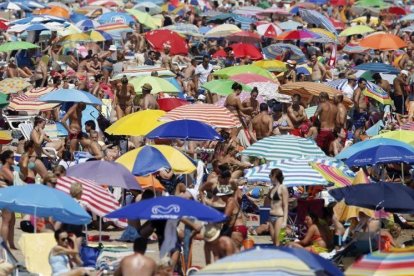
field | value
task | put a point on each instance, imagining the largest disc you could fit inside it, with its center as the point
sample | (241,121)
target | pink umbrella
(246,78)
(243,97)
(272,10)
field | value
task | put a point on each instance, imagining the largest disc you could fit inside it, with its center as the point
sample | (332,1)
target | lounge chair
(26,130)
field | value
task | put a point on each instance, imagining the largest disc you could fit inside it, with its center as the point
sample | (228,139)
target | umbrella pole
(402,173)
(35,221)
(100,229)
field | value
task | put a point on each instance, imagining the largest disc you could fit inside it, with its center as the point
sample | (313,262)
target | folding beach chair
(26,129)
(14,122)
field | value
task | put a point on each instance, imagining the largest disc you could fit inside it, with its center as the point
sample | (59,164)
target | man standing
(360,104)
(318,70)
(400,83)
(148,101)
(262,124)
(74,115)
(202,72)
(297,114)
(166,60)
(348,89)
(326,113)
(342,112)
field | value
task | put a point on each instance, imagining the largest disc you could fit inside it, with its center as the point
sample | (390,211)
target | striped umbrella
(248,10)
(340,177)
(115,29)
(185,29)
(29,101)
(210,114)
(270,30)
(282,147)
(296,171)
(98,199)
(314,17)
(408,126)
(381,263)
(223,30)
(378,67)
(353,49)
(274,50)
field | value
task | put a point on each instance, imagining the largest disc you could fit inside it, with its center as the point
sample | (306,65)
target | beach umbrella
(247,78)
(3,26)
(144,18)
(99,36)
(168,104)
(406,136)
(30,199)
(337,175)
(274,50)
(244,96)
(115,29)
(397,10)
(29,101)
(353,49)
(268,90)
(272,261)
(149,7)
(358,29)
(139,123)
(97,199)
(4,100)
(269,30)
(241,50)
(5,137)
(207,113)
(391,197)
(14,6)
(408,29)
(97,171)
(116,17)
(76,37)
(378,67)
(382,263)
(188,130)
(272,10)
(168,207)
(222,30)
(158,84)
(297,35)
(31,4)
(289,25)
(150,159)
(296,171)
(371,4)
(408,17)
(184,29)
(58,4)
(54,11)
(223,87)
(244,37)
(13,85)
(283,147)
(159,39)
(87,24)
(248,10)
(70,95)
(271,65)
(364,20)
(235,70)
(17,45)
(316,18)
(383,42)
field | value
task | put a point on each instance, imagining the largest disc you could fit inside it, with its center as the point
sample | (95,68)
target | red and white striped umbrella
(213,115)
(29,101)
(97,198)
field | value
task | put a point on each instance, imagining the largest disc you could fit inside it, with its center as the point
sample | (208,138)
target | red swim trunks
(324,139)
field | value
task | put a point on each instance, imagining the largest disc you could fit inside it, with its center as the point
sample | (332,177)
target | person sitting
(216,245)
(91,146)
(41,139)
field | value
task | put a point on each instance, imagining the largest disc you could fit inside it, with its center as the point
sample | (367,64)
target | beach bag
(89,255)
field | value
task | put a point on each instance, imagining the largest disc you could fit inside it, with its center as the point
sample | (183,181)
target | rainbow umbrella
(136,124)
(158,84)
(297,35)
(340,178)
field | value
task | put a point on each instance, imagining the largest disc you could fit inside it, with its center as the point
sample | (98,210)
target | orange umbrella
(54,11)
(383,41)
(149,182)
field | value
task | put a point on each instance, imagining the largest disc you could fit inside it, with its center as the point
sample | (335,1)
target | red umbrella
(338,2)
(159,39)
(297,35)
(3,26)
(337,24)
(241,50)
(168,104)
(245,37)
(397,10)
(246,78)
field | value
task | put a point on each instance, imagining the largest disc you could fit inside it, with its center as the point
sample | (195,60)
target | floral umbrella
(13,85)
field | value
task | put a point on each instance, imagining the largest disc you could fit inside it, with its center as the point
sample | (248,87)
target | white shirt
(203,73)
(348,91)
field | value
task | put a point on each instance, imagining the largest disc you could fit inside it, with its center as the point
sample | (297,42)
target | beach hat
(404,72)
(211,232)
(147,87)
(224,190)
(112,48)
(352,77)
(291,63)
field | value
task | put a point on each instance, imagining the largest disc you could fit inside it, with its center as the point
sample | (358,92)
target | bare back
(327,115)
(262,125)
(137,264)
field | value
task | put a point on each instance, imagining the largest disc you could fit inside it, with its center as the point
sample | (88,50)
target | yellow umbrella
(144,18)
(136,124)
(271,65)
(179,162)
(406,136)
(223,30)
(323,32)
(363,19)
(5,137)
(75,38)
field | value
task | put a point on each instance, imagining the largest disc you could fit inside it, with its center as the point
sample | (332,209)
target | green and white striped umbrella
(283,147)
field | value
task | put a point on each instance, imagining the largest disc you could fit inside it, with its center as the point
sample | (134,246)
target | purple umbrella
(105,173)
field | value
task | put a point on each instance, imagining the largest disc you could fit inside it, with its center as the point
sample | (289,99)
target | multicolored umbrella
(5,137)
(13,85)
(144,18)
(333,174)
(358,29)
(248,10)
(223,30)
(30,102)
(223,87)
(245,37)
(402,135)
(158,84)
(149,7)
(314,17)
(296,171)
(383,42)
(168,104)
(115,29)
(269,30)
(297,35)
(274,50)
(241,50)
(17,45)
(159,39)
(210,114)
(235,70)
(283,147)
(272,10)
(136,124)
(87,24)
(116,17)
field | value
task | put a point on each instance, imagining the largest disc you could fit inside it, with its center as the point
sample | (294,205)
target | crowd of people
(100,69)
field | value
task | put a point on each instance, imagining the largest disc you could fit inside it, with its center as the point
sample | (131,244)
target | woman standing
(279,198)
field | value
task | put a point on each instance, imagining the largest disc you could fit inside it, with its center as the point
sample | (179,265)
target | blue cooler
(264,214)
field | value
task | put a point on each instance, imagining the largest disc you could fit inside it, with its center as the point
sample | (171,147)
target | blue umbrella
(378,67)
(105,35)
(42,201)
(274,50)
(31,4)
(289,25)
(76,17)
(393,197)
(372,143)
(116,17)
(70,95)
(205,29)
(314,17)
(168,207)
(36,27)
(87,24)
(189,130)
(149,160)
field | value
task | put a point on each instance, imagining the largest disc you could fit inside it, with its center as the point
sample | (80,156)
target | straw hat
(211,232)
(147,87)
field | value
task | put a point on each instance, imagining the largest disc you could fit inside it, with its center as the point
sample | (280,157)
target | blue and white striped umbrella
(274,50)
(282,147)
(296,172)
(87,24)
(314,17)
(378,67)
(353,49)
(289,25)
(185,29)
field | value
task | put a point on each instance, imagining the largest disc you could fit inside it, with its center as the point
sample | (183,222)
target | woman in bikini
(279,198)
(40,138)
(94,65)
(124,98)
(29,164)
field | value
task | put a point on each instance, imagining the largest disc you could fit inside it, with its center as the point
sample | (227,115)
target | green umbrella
(158,85)
(235,70)
(4,100)
(223,87)
(358,29)
(368,75)
(144,18)
(264,5)
(372,4)
(16,45)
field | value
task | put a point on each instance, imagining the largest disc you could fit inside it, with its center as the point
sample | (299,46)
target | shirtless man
(166,60)
(342,112)
(188,81)
(384,84)
(234,104)
(318,70)
(297,114)
(74,115)
(220,247)
(137,263)
(400,82)
(124,98)
(148,101)
(360,104)
(262,124)
(326,112)
(91,146)
(252,102)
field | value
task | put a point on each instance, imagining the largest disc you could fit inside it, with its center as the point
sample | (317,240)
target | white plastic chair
(26,130)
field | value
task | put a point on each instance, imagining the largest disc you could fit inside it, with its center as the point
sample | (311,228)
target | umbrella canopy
(296,171)
(241,50)
(97,171)
(222,87)
(333,174)
(392,197)
(272,10)
(168,207)
(115,29)
(406,136)
(353,49)
(223,30)
(289,25)
(54,11)
(116,17)
(87,24)
(159,39)
(149,7)
(283,147)
(5,137)
(30,199)
(13,85)
(378,67)
(29,101)
(184,29)
(136,124)
(358,29)
(235,70)
(149,159)
(207,113)
(248,78)
(17,45)
(271,65)
(382,263)
(145,18)
(408,126)
(168,104)
(297,35)
(383,42)
(269,30)
(371,4)
(245,37)
(188,130)
(274,50)
(272,261)
(158,84)
(408,17)
(70,95)
(316,18)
